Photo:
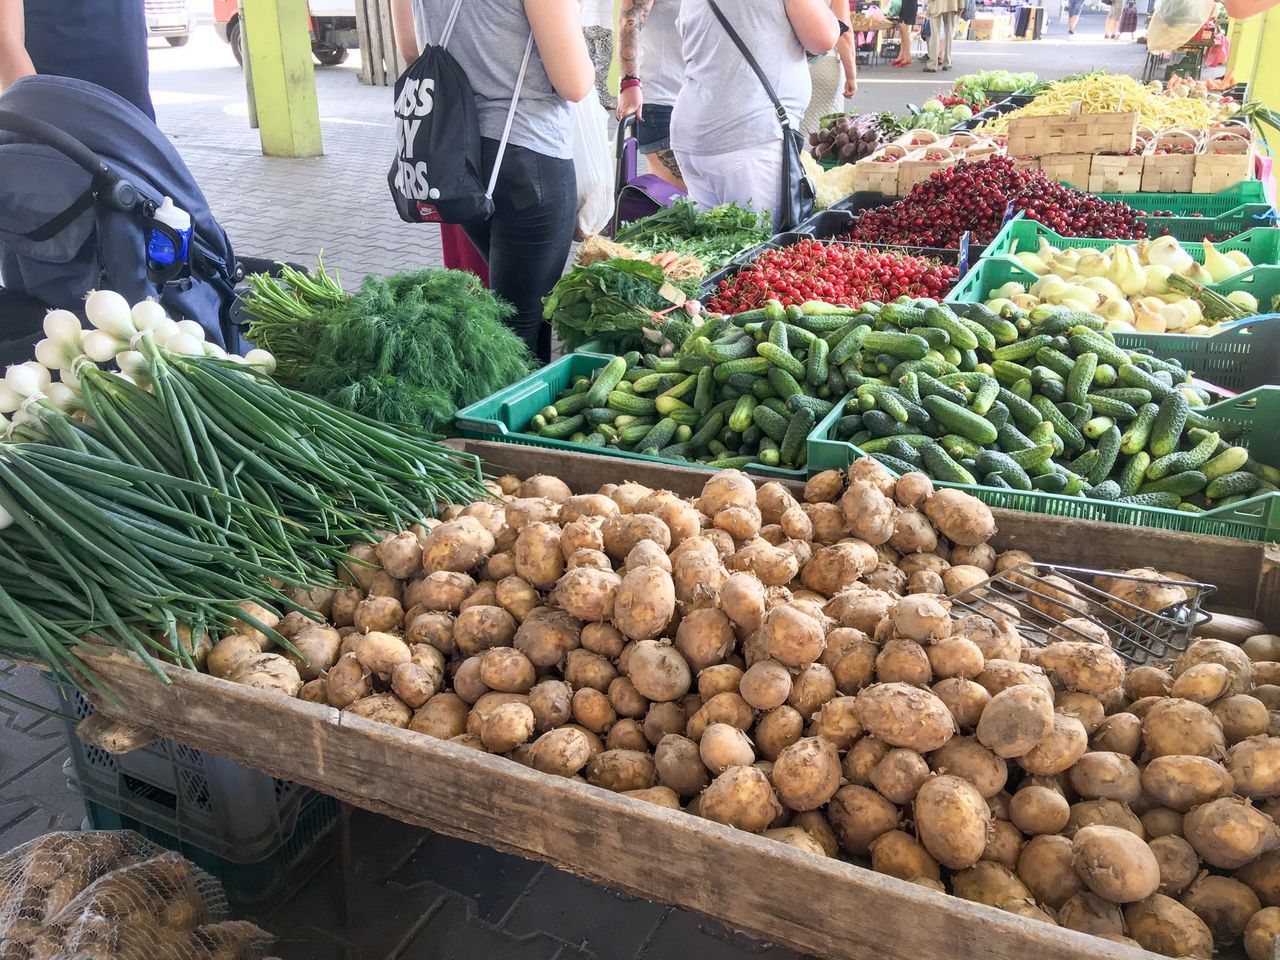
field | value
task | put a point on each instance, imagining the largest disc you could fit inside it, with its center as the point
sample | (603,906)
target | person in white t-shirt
(652,65)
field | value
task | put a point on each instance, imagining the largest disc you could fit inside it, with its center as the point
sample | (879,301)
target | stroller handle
(108,184)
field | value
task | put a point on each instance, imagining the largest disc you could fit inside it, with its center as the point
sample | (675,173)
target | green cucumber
(1166,431)
(1135,438)
(1064,428)
(915,441)
(1107,490)
(903,346)
(1096,427)
(1024,413)
(939,465)
(958,419)
(894,464)
(1133,396)
(992,461)
(781,358)
(1135,470)
(1009,373)
(1132,375)
(1081,377)
(564,427)
(1108,451)
(1193,459)
(792,446)
(1116,409)
(1021,350)
(571,404)
(816,365)
(1229,461)
(1183,484)
(1166,501)
(1234,484)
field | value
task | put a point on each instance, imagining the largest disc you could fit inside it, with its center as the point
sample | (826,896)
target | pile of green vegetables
(714,236)
(632,304)
(410,348)
(744,389)
(144,511)
(976,87)
(1044,401)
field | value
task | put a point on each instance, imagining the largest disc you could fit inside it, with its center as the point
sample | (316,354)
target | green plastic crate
(1189,229)
(1020,235)
(1257,518)
(1235,360)
(505,415)
(1180,204)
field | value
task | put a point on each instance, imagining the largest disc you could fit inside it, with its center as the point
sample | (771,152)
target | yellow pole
(284,83)
(1265,79)
(1244,36)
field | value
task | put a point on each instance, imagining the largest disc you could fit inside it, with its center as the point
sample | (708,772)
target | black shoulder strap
(751,62)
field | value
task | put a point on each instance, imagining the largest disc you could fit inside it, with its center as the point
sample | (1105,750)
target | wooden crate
(1223,161)
(817,905)
(874,174)
(1108,174)
(380,61)
(919,166)
(1072,167)
(1073,133)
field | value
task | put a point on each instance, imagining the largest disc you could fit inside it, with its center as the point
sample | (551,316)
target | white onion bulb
(261,359)
(61,325)
(23,380)
(191,329)
(100,346)
(147,315)
(61,396)
(185,344)
(109,312)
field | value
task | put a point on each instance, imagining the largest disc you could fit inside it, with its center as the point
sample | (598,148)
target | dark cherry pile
(837,273)
(973,196)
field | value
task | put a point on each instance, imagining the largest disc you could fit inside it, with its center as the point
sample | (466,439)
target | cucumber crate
(505,416)
(1237,358)
(1258,518)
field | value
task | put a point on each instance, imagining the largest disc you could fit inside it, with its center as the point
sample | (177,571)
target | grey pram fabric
(103,246)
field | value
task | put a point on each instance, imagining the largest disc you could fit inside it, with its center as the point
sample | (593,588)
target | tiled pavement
(412,894)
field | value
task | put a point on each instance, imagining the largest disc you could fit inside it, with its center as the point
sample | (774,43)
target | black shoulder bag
(797,191)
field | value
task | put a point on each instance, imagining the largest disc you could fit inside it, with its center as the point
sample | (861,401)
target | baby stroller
(82,171)
(638,195)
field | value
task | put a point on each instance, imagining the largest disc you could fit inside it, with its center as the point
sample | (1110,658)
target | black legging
(527,242)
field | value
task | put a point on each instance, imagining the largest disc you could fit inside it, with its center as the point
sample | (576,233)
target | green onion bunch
(143,508)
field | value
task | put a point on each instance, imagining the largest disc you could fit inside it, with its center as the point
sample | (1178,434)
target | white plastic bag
(592,166)
(1174,22)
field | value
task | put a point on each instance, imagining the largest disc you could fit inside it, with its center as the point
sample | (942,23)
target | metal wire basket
(1045,595)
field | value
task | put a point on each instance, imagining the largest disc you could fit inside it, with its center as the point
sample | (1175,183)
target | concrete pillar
(284,83)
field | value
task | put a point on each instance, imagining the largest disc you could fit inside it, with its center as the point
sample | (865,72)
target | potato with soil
(989,883)
(1118,733)
(726,707)
(1038,810)
(1061,748)
(1254,765)
(723,746)
(1178,862)
(837,721)
(1016,720)
(868,513)
(1228,832)
(1183,782)
(1080,665)
(458,545)
(679,766)
(1261,932)
(1225,905)
(381,708)
(1106,776)
(267,671)
(859,815)
(835,568)
(860,608)
(904,716)
(658,671)
(792,636)
(547,635)
(506,727)
(741,797)
(961,518)
(705,637)
(1242,716)
(1115,864)
(229,651)
(1089,913)
(645,603)
(951,821)
(1180,727)
(968,759)
(899,854)
(1220,652)
(1162,925)
(621,770)
(965,699)
(903,661)
(806,774)
(1045,867)
(899,775)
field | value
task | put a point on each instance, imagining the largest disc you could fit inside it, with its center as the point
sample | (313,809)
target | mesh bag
(114,896)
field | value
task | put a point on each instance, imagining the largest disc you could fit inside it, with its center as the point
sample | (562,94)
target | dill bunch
(408,348)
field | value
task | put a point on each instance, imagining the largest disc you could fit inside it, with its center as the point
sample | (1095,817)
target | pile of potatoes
(794,669)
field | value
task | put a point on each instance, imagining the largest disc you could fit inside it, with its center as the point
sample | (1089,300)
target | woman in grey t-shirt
(724,130)
(526,243)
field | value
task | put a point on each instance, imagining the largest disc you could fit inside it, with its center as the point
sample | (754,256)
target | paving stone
(685,934)
(607,924)
(453,932)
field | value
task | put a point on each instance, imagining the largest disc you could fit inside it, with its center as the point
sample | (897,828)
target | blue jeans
(526,243)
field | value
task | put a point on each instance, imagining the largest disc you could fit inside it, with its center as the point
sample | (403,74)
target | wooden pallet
(817,905)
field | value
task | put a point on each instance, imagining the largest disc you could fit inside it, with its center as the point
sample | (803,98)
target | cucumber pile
(747,388)
(1044,401)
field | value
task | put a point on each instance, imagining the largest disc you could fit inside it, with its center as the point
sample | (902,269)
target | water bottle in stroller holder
(168,241)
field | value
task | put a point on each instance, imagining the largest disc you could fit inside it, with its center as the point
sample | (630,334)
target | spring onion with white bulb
(141,507)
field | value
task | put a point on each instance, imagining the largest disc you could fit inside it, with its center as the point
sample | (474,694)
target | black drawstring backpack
(436,177)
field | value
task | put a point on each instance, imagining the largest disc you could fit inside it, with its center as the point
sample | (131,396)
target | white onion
(61,325)
(147,314)
(100,346)
(164,330)
(185,344)
(6,519)
(10,400)
(23,380)
(191,329)
(108,311)
(69,377)
(213,350)
(61,396)
(133,363)
(261,359)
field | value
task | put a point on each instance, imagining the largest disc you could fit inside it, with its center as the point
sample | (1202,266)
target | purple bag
(638,196)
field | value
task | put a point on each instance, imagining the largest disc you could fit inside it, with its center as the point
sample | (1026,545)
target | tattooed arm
(631,20)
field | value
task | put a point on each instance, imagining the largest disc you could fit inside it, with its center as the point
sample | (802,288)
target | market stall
(921,560)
